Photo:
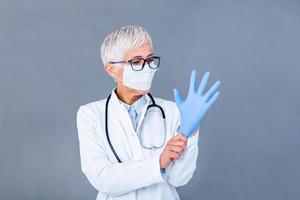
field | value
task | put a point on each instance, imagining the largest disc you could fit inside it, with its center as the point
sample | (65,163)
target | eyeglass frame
(145,60)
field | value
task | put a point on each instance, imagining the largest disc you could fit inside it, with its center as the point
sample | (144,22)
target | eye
(150,59)
(136,61)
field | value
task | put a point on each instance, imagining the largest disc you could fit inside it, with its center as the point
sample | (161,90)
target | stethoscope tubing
(106,121)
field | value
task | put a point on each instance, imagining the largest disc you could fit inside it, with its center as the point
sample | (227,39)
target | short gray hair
(121,40)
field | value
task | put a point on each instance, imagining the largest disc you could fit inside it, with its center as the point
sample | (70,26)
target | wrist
(181,133)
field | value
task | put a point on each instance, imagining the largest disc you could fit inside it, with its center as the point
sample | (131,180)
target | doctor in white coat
(134,146)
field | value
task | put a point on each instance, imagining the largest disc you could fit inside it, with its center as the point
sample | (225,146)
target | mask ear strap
(117,79)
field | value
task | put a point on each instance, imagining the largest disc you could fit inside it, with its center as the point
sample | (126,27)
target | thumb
(177,96)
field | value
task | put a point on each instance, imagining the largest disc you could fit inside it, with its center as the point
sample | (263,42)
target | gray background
(50,64)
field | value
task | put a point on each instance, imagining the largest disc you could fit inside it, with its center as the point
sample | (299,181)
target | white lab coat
(139,176)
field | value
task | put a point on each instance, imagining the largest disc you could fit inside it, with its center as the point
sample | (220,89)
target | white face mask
(139,80)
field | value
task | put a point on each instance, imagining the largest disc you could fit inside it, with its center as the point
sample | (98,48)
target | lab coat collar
(137,105)
(120,112)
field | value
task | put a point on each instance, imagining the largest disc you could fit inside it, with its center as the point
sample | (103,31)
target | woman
(128,149)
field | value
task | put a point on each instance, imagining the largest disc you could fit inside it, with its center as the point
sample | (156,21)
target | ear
(110,69)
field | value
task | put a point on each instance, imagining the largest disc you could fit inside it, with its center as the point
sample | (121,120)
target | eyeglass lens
(138,64)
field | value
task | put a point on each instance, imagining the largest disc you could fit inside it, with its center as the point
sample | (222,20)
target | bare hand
(173,149)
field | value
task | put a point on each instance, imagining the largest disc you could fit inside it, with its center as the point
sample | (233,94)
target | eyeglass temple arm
(117,62)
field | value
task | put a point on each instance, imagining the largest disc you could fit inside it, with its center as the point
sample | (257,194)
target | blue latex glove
(194,107)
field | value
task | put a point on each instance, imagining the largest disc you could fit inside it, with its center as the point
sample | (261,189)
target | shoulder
(93,108)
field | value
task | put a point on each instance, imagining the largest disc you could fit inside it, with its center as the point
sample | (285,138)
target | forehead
(143,51)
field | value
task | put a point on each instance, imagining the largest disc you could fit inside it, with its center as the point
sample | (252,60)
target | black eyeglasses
(137,64)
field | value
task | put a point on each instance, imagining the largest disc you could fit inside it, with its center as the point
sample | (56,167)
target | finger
(178,143)
(212,90)
(192,82)
(176,148)
(174,155)
(177,97)
(181,137)
(212,100)
(203,83)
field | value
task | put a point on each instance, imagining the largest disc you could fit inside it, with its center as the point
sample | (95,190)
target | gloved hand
(194,107)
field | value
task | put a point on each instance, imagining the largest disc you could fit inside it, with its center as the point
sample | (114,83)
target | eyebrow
(141,56)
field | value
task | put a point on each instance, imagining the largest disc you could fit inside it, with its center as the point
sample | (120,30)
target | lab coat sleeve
(181,171)
(111,178)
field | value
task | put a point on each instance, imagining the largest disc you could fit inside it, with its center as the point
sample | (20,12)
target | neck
(127,96)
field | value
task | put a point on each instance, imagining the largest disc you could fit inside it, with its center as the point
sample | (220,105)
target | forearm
(118,178)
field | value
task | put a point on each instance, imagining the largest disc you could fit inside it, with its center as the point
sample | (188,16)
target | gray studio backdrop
(50,65)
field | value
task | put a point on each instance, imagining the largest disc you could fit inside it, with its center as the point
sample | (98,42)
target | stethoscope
(149,106)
